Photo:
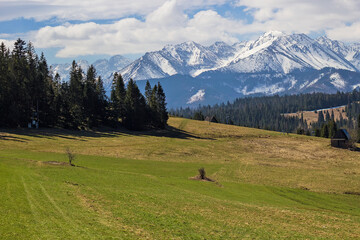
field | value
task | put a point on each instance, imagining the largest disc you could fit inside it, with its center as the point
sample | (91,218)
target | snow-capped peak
(273,33)
(274,51)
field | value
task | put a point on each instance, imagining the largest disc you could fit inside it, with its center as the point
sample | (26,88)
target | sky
(75,29)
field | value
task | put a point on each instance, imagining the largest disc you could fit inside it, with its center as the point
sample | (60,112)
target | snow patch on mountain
(337,81)
(264,89)
(355,86)
(199,96)
(104,68)
(315,80)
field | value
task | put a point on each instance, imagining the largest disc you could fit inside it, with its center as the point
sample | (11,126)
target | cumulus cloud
(303,16)
(349,33)
(8,43)
(165,25)
(166,22)
(87,10)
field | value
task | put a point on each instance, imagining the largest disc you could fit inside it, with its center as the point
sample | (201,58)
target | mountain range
(275,63)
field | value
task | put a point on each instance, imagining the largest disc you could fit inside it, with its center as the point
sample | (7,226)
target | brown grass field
(311,116)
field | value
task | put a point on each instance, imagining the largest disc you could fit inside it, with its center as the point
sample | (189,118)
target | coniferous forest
(29,94)
(268,112)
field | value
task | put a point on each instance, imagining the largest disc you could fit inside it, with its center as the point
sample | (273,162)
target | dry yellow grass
(311,116)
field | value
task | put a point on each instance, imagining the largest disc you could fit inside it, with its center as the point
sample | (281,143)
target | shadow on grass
(12,138)
(50,133)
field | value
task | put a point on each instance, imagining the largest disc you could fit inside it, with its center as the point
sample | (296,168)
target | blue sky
(66,30)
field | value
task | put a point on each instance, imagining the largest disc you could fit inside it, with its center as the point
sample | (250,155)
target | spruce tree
(101,103)
(90,97)
(76,97)
(358,129)
(320,117)
(332,128)
(4,84)
(135,107)
(325,131)
(327,116)
(161,101)
(148,92)
(117,98)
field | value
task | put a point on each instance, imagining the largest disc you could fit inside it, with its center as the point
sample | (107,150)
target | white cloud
(345,33)
(87,10)
(303,16)
(167,24)
(8,43)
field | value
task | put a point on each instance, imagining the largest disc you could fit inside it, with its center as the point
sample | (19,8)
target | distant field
(312,116)
(135,185)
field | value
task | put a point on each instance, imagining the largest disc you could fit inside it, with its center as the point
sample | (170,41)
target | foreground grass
(136,186)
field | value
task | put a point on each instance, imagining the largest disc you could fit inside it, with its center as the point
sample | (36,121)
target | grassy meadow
(135,185)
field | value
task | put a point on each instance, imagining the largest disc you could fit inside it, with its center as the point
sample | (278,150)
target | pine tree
(20,106)
(358,129)
(4,84)
(325,131)
(161,108)
(135,107)
(117,98)
(76,97)
(90,97)
(320,117)
(332,128)
(341,120)
(198,116)
(327,116)
(101,103)
(148,92)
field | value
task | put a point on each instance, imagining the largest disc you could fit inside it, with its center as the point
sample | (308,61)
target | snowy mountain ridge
(271,52)
(275,63)
(105,68)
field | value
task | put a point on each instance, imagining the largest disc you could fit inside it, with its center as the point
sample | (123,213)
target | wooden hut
(341,139)
(211,119)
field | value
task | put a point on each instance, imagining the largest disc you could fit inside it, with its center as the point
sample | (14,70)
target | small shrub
(202,173)
(71,156)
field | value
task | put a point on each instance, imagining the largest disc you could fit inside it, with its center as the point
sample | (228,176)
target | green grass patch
(137,186)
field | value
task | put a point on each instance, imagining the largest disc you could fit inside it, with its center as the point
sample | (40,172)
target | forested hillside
(268,112)
(31,96)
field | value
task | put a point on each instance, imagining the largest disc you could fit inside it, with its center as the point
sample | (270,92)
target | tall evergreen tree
(76,96)
(325,131)
(328,118)
(101,103)
(320,117)
(118,97)
(134,107)
(332,128)
(90,97)
(358,129)
(148,92)
(161,108)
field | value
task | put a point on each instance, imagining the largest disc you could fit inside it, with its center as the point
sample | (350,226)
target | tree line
(30,93)
(268,112)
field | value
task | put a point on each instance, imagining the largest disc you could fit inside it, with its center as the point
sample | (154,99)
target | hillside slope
(135,185)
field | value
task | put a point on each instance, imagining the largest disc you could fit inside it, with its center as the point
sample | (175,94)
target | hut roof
(342,134)
(211,119)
